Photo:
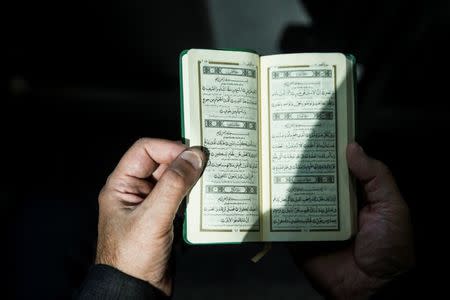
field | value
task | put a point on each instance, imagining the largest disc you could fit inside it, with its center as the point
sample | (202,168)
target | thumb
(379,184)
(179,177)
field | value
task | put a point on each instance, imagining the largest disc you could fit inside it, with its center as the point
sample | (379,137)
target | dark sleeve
(106,282)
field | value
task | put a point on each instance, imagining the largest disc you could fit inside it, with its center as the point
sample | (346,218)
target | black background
(85,79)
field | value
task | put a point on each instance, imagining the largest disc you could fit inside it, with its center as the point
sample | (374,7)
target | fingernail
(193,158)
(204,150)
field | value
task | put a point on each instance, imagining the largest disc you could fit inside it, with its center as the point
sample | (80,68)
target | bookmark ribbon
(262,253)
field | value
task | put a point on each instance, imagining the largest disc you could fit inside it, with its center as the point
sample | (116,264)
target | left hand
(138,204)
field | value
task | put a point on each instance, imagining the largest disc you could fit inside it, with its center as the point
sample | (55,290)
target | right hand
(138,205)
(383,246)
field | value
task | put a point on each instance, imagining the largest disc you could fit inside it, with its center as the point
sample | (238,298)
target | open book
(276,128)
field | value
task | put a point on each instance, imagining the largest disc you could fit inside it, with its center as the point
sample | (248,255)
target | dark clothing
(106,282)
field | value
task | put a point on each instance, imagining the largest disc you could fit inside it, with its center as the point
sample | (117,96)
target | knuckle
(382,168)
(102,196)
(109,181)
(119,184)
(142,141)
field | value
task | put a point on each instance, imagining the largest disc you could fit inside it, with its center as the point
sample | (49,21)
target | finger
(129,185)
(142,159)
(376,177)
(162,203)
(159,171)
(124,191)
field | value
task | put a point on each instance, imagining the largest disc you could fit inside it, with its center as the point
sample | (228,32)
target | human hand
(383,246)
(138,204)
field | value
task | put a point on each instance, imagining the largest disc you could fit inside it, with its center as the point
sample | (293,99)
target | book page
(223,102)
(305,103)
